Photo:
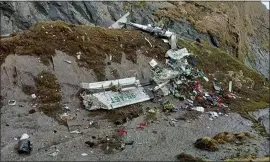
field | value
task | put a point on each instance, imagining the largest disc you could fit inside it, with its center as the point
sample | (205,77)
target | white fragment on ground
(33,96)
(213,114)
(75,132)
(67,61)
(84,154)
(201,109)
(55,153)
(91,122)
(11,102)
(24,136)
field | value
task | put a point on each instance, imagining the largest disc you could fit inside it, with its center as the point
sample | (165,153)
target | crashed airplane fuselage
(130,92)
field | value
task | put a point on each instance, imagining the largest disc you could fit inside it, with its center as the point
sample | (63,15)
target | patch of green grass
(266,45)
(183,157)
(150,117)
(251,58)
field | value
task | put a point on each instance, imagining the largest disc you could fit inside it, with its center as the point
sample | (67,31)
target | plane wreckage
(121,92)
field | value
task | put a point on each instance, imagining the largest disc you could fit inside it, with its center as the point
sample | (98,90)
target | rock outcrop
(241,27)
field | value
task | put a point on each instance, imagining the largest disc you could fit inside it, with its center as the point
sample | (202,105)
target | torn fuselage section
(114,93)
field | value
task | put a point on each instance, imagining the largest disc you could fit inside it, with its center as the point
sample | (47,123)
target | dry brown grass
(95,43)
(49,95)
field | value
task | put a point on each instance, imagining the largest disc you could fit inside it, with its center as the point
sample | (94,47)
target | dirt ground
(160,140)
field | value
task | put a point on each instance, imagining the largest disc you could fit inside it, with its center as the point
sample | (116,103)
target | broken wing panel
(120,22)
(108,84)
(115,100)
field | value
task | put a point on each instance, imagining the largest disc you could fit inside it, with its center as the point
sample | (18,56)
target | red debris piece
(122,132)
(140,127)
(219,100)
(143,124)
(199,99)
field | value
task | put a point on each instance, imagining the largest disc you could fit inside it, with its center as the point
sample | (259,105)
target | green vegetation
(251,58)
(266,45)
(206,143)
(183,157)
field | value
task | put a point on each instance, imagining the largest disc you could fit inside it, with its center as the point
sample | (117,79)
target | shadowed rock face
(22,15)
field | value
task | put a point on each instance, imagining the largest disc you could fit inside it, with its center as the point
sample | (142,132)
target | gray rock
(260,56)
(262,116)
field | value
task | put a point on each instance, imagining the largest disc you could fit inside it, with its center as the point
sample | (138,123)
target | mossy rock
(206,143)
(188,158)
(225,137)
(242,136)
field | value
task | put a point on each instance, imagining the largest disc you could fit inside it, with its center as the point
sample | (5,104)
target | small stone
(7,124)
(55,131)
(33,96)
(32,111)
(155,132)
(93,137)
(90,143)
(129,143)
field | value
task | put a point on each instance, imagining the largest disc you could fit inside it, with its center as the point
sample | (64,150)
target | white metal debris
(54,153)
(201,109)
(114,100)
(165,41)
(153,29)
(148,42)
(177,54)
(173,41)
(84,154)
(213,114)
(33,96)
(153,63)
(109,84)
(78,55)
(24,136)
(230,86)
(120,22)
(160,85)
(75,132)
(11,102)
(67,61)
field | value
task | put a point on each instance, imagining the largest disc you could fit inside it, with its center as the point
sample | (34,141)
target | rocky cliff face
(242,28)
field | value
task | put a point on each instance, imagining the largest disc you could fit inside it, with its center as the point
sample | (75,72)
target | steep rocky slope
(241,27)
(42,51)
(55,42)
